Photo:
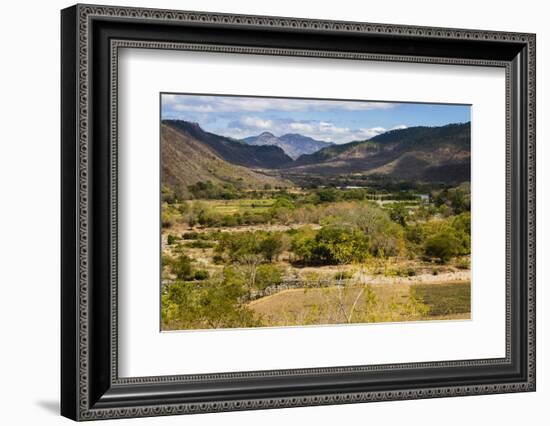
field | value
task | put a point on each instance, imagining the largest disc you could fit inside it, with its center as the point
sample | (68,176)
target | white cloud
(244,116)
(320,130)
(302,127)
(196,103)
(399,127)
(257,123)
(183,107)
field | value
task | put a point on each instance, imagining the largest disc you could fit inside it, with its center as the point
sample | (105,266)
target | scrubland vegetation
(313,255)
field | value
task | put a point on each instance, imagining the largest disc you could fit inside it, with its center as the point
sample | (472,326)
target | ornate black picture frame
(91,36)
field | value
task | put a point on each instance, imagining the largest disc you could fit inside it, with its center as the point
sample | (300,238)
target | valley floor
(402,289)
(240,263)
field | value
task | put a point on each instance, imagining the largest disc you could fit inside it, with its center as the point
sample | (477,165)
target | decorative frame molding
(91,37)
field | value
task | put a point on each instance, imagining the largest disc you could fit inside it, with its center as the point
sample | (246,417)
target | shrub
(209,218)
(463,263)
(268,275)
(283,202)
(343,275)
(181,267)
(183,208)
(402,272)
(443,246)
(171,239)
(229,220)
(327,195)
(249,218)
(212,304)
(201,275)
(399,213)
(167,194)
(462,227)
(190,235)
(166,219)
(200,244)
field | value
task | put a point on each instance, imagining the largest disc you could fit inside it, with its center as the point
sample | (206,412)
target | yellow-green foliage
(216,303)
(318,250)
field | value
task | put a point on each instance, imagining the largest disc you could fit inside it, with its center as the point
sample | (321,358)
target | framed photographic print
(263,212)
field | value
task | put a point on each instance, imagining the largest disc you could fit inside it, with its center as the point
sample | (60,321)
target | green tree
(303,244)
(181,267)
(382,233)
(268,275)
(443,246)
(462,227)
(399,213)
(331,245)
(327,195)
(338,244)
(271,247)
(218,303)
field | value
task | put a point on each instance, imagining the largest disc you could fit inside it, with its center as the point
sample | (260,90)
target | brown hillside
(186,161)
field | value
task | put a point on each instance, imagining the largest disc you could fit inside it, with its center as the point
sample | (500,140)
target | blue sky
(334,121)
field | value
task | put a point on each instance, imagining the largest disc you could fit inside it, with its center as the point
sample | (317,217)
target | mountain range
(188,156)
(232,150)
(422,154)
(293,144)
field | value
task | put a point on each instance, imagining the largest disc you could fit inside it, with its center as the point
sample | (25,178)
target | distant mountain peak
(232,150)
(293,144)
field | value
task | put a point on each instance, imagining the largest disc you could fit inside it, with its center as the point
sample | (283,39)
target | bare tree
(249,264)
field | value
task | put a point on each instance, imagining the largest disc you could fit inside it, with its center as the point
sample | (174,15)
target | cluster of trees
(211,191)
(208,190)
(222,302)
(337,227)
(330,245)
(268,246)
(453,201)
(330,195)
(219,302)
(194,300)
(308,207)
(284,210)
(349,233)
(442,239)
(181,266)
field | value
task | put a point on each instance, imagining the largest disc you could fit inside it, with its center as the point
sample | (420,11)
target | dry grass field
(388,303)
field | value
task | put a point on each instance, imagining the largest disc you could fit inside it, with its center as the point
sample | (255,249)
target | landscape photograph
(280,212)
